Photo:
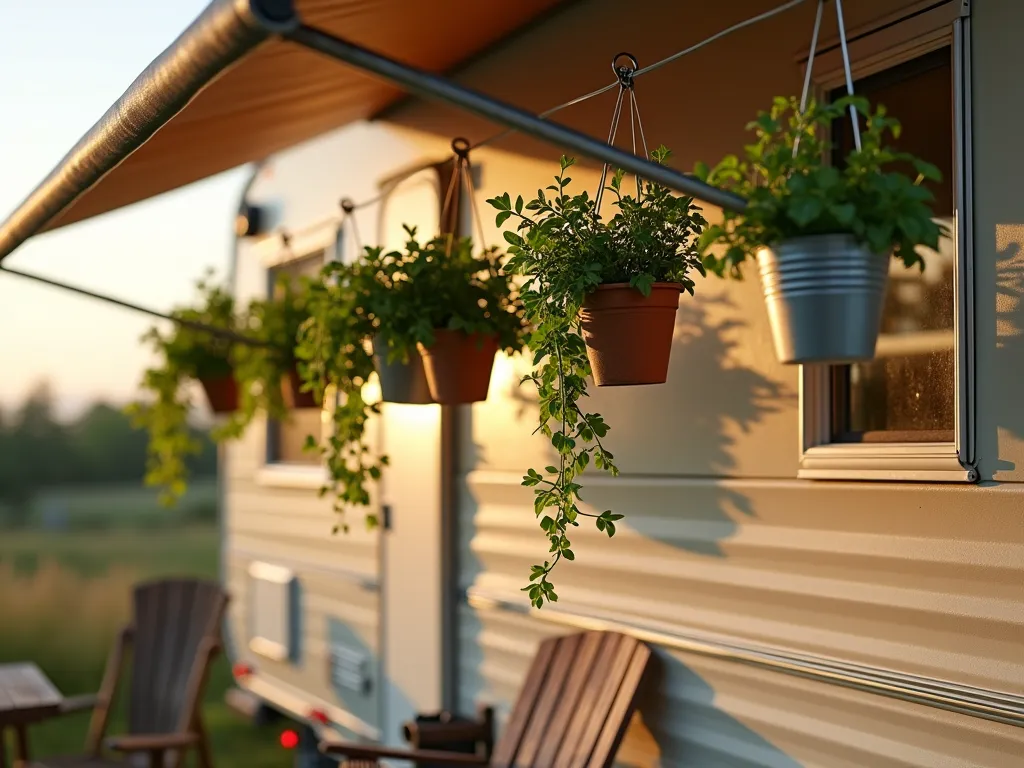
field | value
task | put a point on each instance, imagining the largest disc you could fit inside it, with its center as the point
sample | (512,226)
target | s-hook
(348,208)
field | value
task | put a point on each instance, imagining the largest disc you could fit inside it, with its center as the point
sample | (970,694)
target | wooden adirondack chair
(174,634)
(573,710)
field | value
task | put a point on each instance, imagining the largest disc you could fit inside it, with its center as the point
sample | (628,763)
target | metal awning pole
(224,333)
(431,86)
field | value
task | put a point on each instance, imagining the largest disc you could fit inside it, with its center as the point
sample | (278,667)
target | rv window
(908,393)
(285,439)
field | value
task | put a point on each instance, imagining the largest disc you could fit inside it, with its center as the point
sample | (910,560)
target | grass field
(64,594)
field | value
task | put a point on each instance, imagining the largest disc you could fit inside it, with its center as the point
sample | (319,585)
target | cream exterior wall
(720,540)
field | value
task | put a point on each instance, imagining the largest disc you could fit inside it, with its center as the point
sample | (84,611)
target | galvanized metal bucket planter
(825,295)
(400,382)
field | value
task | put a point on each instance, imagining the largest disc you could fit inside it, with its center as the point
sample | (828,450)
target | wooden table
(26,696)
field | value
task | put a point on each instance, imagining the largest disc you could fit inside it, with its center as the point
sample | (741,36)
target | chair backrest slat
(172,619)
(583,670)
(587,709)
(621,712)
(575,704)
(505,749)
(547,702)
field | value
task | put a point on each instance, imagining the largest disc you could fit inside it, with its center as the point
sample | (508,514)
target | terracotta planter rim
(610,286)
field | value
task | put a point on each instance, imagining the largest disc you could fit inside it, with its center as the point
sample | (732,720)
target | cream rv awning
(249,78)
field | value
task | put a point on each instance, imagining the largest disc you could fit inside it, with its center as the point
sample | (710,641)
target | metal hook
(461,147)
(625,73)
(347,205)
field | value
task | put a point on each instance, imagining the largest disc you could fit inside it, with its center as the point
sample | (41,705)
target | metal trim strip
(986,704)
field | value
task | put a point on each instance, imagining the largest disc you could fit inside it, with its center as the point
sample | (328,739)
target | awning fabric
(279,95)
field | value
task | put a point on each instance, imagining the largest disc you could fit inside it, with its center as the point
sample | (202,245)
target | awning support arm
(431,86)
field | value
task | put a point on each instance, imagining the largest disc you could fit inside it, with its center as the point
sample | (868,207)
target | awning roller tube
(221,35)
(227,31)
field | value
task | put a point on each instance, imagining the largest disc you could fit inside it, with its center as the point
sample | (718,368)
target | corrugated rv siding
(724,557)
(337,596)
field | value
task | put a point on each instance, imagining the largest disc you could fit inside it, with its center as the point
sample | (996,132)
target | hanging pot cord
(846,69)
(462,182)
(626,74)
(352,207)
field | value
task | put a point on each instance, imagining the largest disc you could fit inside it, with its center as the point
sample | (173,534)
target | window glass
(285,439)
(907,393)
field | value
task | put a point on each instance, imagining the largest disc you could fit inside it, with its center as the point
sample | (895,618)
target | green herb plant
(796,194)
(401,297)
(260,368)
(185,353)
(566,250)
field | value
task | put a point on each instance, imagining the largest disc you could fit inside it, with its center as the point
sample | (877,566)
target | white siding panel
(700,711)
(890,576)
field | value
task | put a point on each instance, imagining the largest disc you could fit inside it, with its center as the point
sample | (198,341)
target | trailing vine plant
(566,250)
(402,297)
(260,368)
(184,353)
(335,363)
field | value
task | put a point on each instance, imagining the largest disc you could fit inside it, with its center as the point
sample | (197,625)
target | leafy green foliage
(188,353)
(185,353)
(335,363)
(259,368)
(566,251)
(795,195)
(441,284)
(402,297)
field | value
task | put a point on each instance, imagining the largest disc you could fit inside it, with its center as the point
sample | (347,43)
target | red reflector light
(289,739)
(242,670)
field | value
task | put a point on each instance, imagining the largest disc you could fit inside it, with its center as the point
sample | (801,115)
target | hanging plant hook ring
(461,147)
(625,72)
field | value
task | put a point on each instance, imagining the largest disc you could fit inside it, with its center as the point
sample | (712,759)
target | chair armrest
(432,756)
(149,741)
(427,735)
(79,703)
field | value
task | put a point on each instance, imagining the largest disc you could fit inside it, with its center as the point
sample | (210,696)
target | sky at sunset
(62,63)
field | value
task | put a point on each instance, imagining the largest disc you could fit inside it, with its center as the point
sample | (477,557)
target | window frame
(915,31)
(272,254)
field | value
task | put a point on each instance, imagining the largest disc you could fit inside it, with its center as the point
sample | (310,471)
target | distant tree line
(39,452)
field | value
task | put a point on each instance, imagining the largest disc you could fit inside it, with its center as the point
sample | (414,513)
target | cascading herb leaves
(566,251)
(185,353)
(400,297)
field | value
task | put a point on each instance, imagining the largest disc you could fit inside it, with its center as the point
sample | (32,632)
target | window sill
(301,476)
(913,462)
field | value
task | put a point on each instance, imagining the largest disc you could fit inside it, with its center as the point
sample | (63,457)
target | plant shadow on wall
(1008,335)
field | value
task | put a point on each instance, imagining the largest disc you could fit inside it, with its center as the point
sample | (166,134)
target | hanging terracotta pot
(400,382)
(825,295)
(458,366)
(221,392)
(629,335)
(294,397)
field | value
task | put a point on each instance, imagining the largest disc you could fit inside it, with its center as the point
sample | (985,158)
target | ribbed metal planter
(825,295)
(400,382)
